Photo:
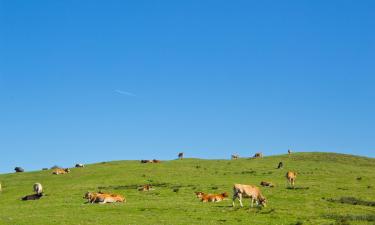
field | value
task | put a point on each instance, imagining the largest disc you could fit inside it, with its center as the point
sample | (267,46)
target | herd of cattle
(239,190)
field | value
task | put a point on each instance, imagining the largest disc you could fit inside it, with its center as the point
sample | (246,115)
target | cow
(38,189)
(235,156)
(79,165)
(44,168)
(146,187)
(61,171)
(248,191)
(156,161)
(266,184)
(291,177)
(180,155)
(0,188)
(146,161)
(258,155)
(289,151)
(103,198)
(211,197)
(280,165)
(19,169)
(32,197)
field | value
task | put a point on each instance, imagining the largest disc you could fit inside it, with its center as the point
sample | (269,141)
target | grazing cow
(103,198)
(32,197)
(280,165)
(146,187)
(79,165)
(19,169)
(248,191)
(146,161)
(258,155)
(291,177)
(38,189)
(211,197)
(180,155)
(235,156)
(156,161)
(266,184)
(61,171)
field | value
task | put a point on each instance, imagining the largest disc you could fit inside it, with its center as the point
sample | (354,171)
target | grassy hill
(324,184)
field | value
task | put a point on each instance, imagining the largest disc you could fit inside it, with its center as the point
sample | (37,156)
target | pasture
(330,189)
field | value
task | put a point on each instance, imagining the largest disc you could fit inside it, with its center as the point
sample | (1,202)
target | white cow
(38,188)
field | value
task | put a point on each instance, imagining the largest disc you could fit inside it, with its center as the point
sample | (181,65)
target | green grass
(324,184)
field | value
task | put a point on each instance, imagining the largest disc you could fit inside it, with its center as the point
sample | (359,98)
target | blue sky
(91,81)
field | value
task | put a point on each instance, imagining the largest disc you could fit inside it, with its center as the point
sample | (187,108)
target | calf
(32,197)
(19,169)
(266,184)
(60,171)
(291,177)
(212,197)
(146,187)
(37,187)
(248,191)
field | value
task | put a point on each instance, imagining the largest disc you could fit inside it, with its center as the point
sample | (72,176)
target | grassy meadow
(330,189)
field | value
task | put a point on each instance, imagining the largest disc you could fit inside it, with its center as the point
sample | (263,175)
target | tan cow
(58,171)
(291,177)
(103,198)
(248,191)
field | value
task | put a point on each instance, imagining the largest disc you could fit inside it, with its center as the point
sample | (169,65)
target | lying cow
(79,165)
(58,171)
(291,177)
(102,198)
(211,197)
(235,156)
(248,191)
(146,187)
(266,184)
(156,161)
(32,197)
(258,155)
(19,169)
(37,187)
(146,161)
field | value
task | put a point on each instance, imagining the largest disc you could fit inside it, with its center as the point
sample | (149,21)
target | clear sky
(91,81)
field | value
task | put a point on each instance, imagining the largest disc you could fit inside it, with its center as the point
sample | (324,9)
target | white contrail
(125,93)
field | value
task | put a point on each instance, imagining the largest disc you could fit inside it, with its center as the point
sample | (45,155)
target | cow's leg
(234,198)
(240,198)
(252,202)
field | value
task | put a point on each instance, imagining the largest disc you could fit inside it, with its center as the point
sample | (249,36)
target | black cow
(280,165)
(19,169)
(32,197)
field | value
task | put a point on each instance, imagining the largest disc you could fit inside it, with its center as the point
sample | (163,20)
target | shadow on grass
(298,188)
(344,219)
(352,201)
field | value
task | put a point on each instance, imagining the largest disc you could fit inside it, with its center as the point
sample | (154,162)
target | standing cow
(291,177)
(258,155)
(180,155)
(248,191)
(38,189)
(19,169)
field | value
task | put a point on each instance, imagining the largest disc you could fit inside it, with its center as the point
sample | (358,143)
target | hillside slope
(322,179)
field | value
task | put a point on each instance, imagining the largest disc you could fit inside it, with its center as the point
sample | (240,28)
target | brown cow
(266,184)
(211,197)
(102,198)
(146,187)
(58,171)
(291,177)
(248,191)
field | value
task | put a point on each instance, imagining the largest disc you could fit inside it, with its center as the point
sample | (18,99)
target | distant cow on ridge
(19,169)
(258,155)
(180,155)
